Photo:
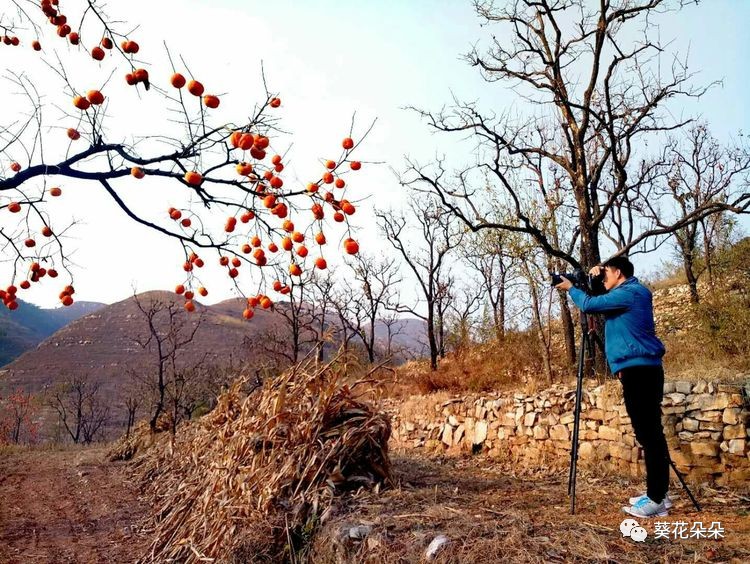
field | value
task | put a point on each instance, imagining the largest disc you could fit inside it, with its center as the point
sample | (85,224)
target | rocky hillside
(29,325)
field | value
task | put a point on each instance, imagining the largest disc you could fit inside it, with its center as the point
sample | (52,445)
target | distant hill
(101,343)
(24,328)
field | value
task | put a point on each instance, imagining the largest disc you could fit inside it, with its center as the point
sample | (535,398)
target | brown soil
(72,506)
(67,506)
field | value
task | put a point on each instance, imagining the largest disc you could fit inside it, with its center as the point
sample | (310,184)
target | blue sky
(330,60)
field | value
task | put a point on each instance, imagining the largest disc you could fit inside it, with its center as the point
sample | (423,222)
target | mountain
(24,328)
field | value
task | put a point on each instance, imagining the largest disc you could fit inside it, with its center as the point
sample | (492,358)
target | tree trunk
(568,329)
(431,337)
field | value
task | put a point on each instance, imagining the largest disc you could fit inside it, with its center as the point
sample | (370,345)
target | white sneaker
(667,500)
(646,508)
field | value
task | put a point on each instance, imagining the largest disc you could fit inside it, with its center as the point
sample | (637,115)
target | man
(634,354)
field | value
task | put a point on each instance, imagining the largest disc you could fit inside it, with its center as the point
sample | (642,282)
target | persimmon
(52,273)
(268,175)
(276,159)
(236,262)
(246,141)
(15,167)
(244,169)
(277,285)
(11,289)
(273,247)
(258,154)
(199,263)
(276,182)
(55,191)
(302,251)
(347,143)
(186,222)
(30,243)
(269,201)
(295,270)
(106,42)
(177,80)
(338,217)
(130,47)
(298,237)
(258,253)
(286,244)
(47,231)
(195,88)
(280,210)
(14,207)
(36,45)
(81,103)
(255,241)
(330,164)
(179,289)
(247,216)
(140,75)
(320,238)
(194,178)
(189,295)
(12,305)
(189,306)
(279,167)
(265,302)
(351,246)
(137,172)
(253,301)
(130,79)
(340,183)
(288,225)
(25,285)
(63,30)
(246,249)
(202,291)
(248,313)
(312,187)
(97,53)
(262,142)
(317,211)
(211,101)
(347,207)
(274,102)
(74,38)
(95,97)
(175,214)
(73,134)
(355,165)
(67,300)
(233,273)
(328,178)
(187,266)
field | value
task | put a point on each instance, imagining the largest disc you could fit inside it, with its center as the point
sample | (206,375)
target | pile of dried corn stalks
(261,469)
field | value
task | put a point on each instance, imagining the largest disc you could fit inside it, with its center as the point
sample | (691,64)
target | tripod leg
(684,485)
(576,425)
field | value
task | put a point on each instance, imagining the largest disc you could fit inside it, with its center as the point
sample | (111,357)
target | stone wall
(706,425)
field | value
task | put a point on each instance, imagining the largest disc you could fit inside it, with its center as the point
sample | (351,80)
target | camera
(592,285)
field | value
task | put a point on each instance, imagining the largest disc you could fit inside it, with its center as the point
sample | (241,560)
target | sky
(333,63)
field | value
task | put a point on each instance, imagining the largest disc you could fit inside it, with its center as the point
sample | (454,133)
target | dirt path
(67,506)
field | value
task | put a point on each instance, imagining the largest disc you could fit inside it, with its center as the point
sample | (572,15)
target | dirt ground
(67,506)
(71,506)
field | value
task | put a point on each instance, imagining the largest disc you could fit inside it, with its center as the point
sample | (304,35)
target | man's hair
(622,264)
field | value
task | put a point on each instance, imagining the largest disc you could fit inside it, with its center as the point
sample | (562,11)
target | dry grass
(490,515)
(256,475)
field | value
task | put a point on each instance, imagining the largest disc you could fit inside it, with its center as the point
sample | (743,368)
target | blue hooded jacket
(630,335)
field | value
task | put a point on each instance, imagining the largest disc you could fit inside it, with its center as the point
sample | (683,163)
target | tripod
(588,338)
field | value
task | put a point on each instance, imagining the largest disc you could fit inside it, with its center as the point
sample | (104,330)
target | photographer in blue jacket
(634,354)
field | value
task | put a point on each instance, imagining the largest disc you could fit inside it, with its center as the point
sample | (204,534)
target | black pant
(643,388)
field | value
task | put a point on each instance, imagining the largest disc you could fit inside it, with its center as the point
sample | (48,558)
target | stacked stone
(706,426)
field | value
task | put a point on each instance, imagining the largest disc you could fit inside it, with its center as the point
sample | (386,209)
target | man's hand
(565,285)
(595,271)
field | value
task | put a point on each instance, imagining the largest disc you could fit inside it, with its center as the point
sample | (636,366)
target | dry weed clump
(252,480)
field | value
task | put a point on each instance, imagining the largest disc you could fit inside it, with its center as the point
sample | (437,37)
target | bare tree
(699,172)
(588,77)
(373,290)
(438,236)
(168,333)
(465,305)
(80,407)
